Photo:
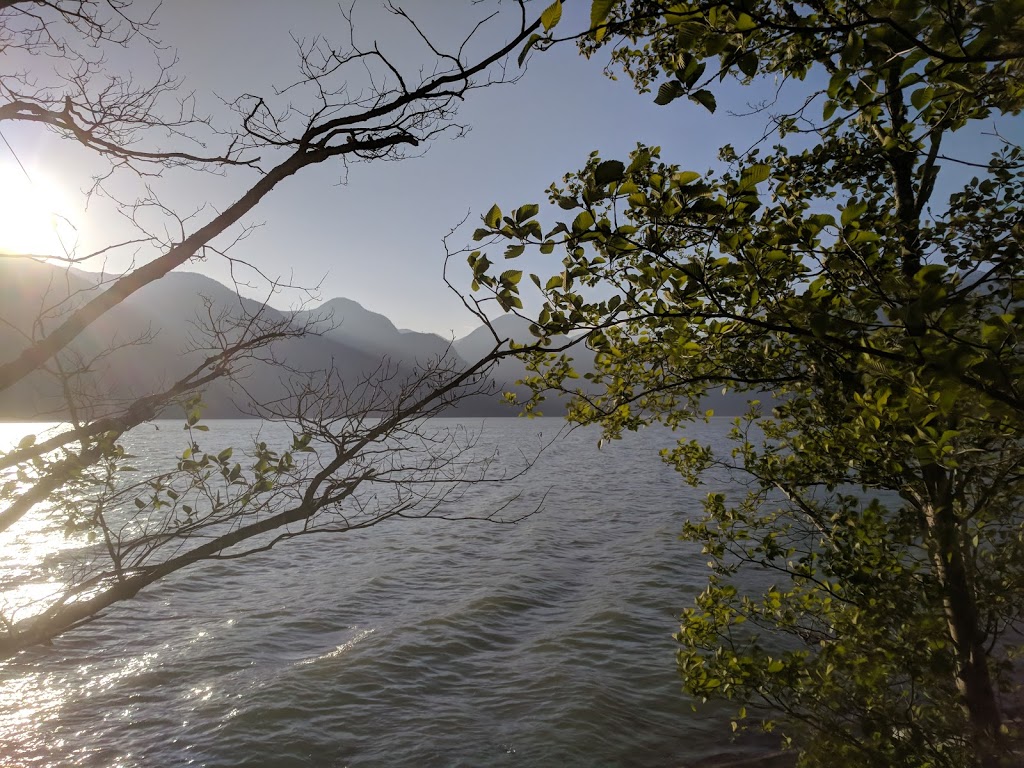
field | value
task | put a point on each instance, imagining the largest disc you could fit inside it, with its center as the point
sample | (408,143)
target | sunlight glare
(27,588)
(36,217)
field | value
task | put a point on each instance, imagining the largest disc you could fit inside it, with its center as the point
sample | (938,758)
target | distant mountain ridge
(169,312)
(350,323)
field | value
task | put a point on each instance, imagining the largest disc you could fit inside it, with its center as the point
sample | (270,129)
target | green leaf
(691,73)
(599,10)
(753,175)
(930,274)
(526,48)
(583,222)
(819,324)
(836,82)
(821,220)
(854,47)
(493,216)
(862,236)
(553,282)
(748,63)
(706,99)
(480,266)
(715,44)
(669,92)
(921,97)
(514,251)
(744,23)
(852,213)
(551,16)
(525,212)
(608,172)
(511,276)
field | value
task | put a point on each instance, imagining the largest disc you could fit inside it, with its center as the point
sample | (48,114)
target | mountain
(481,341)
(154,338)
(349,323)
(34,299)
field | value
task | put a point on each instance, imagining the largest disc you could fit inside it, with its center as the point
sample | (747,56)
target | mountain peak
(479,342)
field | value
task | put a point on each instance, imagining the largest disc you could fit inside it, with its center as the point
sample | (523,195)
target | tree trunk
(973,677)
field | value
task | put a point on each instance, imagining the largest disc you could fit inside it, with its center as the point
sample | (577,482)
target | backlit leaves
(706,99)
(551,15)
(878,326)
(669,92)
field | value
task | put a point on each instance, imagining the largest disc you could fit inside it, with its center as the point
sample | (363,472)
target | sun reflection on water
(27,703)
(30,549)
(30,552)
(39,558)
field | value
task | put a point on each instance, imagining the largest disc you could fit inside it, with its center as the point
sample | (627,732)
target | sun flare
(36,216)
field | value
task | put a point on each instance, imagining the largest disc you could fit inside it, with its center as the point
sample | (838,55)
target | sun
(36,217)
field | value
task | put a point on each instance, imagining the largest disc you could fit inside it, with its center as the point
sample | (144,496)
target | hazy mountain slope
(183,303)
(35,298)
(350,323)
(481,341)
(169,314)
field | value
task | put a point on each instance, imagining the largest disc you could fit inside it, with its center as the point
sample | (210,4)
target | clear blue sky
(377,238)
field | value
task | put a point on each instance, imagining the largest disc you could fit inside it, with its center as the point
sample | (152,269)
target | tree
(867,583)
(347,434)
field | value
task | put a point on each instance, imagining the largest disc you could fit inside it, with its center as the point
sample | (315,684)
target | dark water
(415,643)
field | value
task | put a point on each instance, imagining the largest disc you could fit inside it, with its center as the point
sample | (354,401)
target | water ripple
(420,644)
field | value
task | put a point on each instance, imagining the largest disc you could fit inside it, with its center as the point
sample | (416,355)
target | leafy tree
(349,103)
(868,582)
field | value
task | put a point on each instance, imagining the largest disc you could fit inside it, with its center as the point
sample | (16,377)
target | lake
(414,643)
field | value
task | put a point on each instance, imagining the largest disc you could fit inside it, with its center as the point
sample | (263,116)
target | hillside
(157,335)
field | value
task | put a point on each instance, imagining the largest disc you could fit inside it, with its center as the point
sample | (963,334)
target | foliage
(868,582)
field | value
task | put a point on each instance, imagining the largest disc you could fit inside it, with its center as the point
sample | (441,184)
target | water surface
(415,643)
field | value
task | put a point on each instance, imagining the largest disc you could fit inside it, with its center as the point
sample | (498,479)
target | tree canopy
(866,587)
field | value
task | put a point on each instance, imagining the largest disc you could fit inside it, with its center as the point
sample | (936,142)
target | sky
(377,238)
(373,234)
